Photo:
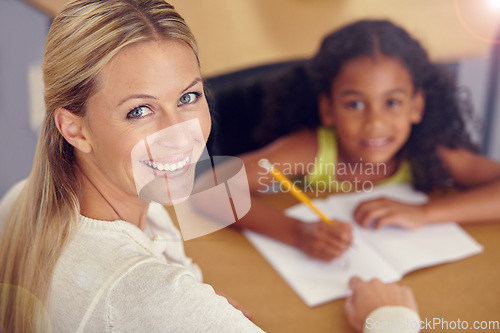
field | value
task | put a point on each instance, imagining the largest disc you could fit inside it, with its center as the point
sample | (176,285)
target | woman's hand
(368,296)
(382,212)
(324,241)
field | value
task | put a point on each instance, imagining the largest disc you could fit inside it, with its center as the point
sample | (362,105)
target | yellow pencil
(294,190)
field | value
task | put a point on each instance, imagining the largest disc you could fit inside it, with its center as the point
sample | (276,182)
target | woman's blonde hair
(81,41)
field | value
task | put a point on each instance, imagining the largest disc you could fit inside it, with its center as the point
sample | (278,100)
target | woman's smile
(171,166)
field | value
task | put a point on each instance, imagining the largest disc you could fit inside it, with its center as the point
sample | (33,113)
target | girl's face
(373,106)
(148,120)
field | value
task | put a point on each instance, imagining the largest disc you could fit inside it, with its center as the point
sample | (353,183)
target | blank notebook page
(387,253)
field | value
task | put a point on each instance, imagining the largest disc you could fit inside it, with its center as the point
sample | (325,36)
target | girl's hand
(369,296)
(383,212)
(323,241)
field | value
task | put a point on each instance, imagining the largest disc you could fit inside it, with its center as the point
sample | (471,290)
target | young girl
(386,114)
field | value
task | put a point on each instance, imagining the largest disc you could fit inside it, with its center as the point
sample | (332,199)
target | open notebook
(387,254)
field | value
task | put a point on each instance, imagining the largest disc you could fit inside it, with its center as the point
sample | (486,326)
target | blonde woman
(116,73)
(81,250)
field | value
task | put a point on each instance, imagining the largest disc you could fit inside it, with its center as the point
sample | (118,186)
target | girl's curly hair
(292,98)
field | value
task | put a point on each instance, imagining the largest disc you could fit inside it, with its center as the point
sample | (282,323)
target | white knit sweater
(113,277)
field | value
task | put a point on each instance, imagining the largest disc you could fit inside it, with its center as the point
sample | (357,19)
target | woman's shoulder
(162,299)
(103,249)
(101,294)
(105,261)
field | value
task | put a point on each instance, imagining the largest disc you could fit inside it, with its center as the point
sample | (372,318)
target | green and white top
(325,169)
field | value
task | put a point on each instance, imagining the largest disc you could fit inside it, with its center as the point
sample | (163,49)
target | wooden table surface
(468,289)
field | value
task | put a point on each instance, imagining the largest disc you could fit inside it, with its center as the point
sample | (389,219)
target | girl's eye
(139,112)
(393,103)
(189,98)
(356,105)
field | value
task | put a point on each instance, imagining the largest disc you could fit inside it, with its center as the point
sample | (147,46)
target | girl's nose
(374,120)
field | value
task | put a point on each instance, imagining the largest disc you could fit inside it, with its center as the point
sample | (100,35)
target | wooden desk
(468,290)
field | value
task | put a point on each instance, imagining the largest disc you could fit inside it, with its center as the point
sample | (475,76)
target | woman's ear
(71,128)
(418,107)
(325,105)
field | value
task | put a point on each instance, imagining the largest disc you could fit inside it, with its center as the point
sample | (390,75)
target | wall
(22,37)
(234,34)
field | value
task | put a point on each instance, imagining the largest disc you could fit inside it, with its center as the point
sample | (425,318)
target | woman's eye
(139,112)
(356,105)
(189,98)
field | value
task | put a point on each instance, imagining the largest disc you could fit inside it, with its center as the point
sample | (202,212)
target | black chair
(236,105)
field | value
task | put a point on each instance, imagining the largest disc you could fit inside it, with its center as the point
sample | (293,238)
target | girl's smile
(376,143)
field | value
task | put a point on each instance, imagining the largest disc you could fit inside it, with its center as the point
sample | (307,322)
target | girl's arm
(478,201)
(290,155)
(480,178)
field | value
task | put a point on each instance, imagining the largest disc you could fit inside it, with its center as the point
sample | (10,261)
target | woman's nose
(172,131)
(174,135)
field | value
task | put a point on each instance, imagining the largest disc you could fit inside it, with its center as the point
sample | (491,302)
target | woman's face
(148,123)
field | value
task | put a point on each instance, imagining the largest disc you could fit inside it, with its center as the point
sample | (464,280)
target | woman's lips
(169,166)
